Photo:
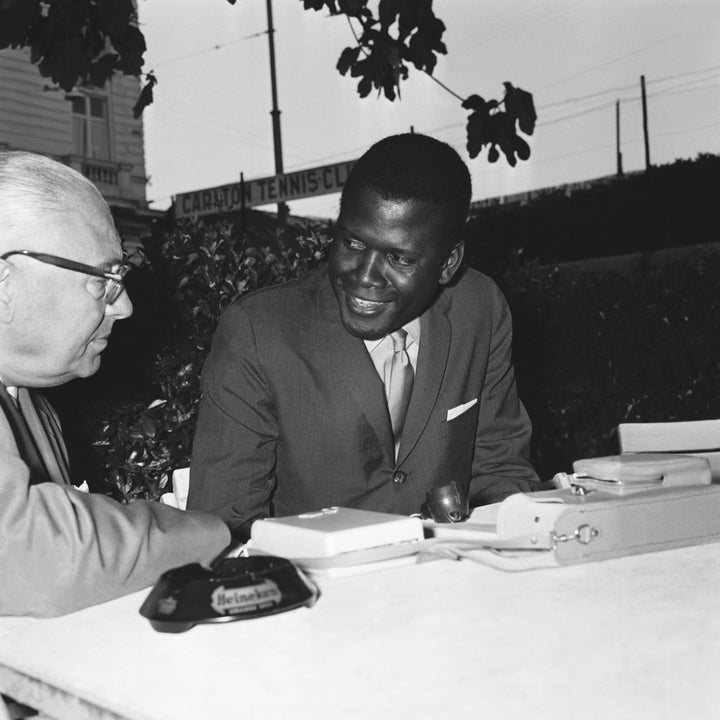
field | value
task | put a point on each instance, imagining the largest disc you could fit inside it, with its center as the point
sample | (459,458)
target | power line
(623,88)
(209,49)
(350,153)
(685,74)
(623,57)
(596,108)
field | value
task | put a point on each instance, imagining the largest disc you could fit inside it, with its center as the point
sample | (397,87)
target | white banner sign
(265,191)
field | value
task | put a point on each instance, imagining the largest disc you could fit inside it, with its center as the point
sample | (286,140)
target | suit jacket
(294,417)
(62,549)
(37,435)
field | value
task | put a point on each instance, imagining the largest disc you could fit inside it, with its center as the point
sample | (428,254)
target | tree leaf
(475,102)
(476,131)
(68,63)
(146,96)
(522,148)
(149,426)
(353,8)
(114,16)
(15,19)
(316,5)
(102,69)
(347,59)
(387,13)
(425,43)
(130,47)
(520,106)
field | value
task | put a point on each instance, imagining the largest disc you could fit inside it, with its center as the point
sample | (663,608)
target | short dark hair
(412,166)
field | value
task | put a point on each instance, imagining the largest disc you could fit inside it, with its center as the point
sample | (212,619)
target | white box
(332,531)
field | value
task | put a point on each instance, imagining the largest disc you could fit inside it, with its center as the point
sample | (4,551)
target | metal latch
(584,534)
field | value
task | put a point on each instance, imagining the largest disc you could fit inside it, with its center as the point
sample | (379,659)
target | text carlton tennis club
(264,191)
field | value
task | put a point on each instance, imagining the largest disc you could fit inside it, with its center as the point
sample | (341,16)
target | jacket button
(399,477)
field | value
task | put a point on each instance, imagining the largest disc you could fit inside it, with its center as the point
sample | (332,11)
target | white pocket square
(452,413)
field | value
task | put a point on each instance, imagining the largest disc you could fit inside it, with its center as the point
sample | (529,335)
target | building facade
(90,129)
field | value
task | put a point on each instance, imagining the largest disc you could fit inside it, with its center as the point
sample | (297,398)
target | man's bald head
(36,190)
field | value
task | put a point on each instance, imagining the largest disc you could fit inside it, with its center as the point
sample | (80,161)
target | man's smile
(361,306)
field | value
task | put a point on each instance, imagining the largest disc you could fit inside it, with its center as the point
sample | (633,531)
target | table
(636,637)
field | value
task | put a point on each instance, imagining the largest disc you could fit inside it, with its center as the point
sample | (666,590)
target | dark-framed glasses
(114,277)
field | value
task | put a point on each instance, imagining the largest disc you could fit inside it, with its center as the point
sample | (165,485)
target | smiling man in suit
(61,291)
(368,382)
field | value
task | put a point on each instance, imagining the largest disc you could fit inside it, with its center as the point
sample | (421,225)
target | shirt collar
(11,391)
(412,329)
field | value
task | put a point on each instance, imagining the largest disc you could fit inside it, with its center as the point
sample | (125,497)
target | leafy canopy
(78,41)
(88,41)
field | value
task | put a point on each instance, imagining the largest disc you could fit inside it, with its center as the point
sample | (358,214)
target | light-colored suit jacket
(293,416)
(62,549)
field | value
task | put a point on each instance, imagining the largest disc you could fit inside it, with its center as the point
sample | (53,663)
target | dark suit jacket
(293,416)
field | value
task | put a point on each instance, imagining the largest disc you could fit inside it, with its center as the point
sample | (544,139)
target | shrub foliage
(597,342)
(138,413)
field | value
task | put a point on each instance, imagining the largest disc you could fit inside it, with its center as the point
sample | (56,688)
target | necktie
(399,386)
(27,447)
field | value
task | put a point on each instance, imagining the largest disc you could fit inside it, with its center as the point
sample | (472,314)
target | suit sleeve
(501,464)
(232,472)
(62,549)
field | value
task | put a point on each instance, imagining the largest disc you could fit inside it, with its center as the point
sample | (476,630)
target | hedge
(132,423)
(596,343)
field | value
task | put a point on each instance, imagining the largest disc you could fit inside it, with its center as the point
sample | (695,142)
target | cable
(622,57)
(207,50)
(685,74)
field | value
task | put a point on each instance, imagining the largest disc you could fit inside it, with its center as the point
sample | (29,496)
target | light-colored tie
(399,386)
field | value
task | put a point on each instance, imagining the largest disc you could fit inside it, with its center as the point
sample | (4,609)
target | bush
(138,413)
(670,206)
(597,345)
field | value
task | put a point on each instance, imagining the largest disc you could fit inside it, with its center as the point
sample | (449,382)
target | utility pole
(618,153)
(645,123)
(275,112)
(243,226)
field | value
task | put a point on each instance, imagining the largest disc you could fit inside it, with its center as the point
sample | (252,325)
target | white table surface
(636,638)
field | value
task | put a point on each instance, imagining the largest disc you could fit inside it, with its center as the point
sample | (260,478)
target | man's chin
(367,326)
(363,330)
(88,368)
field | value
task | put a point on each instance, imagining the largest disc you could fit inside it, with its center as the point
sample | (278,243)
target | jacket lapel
(435,337)
(353,368)
(23,433)
(45,428)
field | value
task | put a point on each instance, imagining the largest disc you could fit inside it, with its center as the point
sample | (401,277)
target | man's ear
(6,304)
(452,263)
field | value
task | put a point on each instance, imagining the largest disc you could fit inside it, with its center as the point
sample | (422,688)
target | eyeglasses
(113,278)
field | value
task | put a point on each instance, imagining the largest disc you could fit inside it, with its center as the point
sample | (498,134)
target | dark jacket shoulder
(282,298)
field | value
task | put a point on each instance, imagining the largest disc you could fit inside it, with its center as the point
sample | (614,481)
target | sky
(211,119)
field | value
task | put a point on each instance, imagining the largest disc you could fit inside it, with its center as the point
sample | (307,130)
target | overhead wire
(208,49)
(683,88)
(612,61)
(573,100)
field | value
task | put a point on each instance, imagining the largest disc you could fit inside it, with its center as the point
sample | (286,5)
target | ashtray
(238,588)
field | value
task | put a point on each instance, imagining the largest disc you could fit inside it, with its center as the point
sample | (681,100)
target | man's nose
(122,307)
(370,270)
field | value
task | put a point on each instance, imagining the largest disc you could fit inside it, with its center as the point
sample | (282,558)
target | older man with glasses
(61,291)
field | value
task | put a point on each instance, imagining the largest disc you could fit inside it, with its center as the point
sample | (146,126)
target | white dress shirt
(381,351)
